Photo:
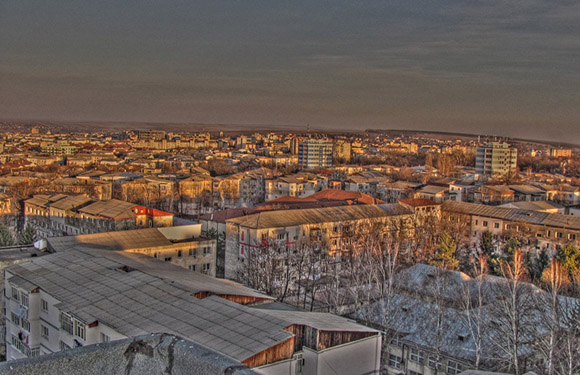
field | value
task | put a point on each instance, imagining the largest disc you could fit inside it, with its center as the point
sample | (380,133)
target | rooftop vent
(126,268)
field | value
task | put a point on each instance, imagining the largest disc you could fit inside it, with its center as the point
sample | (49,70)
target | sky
(493,67)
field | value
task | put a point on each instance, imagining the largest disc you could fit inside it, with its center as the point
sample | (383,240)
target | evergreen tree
(27,236)
(537,264)
(445,254)
(5,236)
(569,257)
(487,244)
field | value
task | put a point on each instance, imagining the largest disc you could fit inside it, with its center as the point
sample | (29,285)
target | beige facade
(329,229)
(496,159)
(536,230)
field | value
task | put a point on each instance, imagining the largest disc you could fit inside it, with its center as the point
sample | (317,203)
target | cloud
(497,65)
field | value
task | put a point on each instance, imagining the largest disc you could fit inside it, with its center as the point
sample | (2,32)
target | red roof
(418,202)
(342,195)
(289,199)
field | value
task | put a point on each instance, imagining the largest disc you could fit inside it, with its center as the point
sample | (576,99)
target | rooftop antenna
(308,130)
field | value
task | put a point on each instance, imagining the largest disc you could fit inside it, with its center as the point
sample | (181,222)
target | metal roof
(289,218)
(93,287)
(513,214)
(119,240)
(110,209)
(155,296)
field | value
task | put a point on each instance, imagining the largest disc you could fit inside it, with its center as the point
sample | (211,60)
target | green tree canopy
(27,236)
(445,256)
(6,238)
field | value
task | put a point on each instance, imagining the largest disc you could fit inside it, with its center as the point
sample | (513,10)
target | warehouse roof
(135,295)
(94,287)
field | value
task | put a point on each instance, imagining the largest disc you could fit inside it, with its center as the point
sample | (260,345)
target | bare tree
(473,303)
(512,325)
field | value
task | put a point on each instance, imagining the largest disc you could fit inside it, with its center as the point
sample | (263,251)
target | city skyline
(501,68)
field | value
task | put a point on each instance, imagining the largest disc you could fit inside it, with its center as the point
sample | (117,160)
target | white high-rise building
(315,153)
(496,159)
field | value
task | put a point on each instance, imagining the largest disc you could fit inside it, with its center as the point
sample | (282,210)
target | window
(411,372)
(105,338)
(454,368)
(15,294)
(192,252)
(559,235)
(394,361)
(571,236)
(24,299)
(179,253)
(485,223)
(206,267)
(192,267)
(25,324)
(434,362)
(66,323)
(80,330)
(496,225)
(44,305)
(476,222)
(15,319)
(168,259)
(17,343)
(155,255)
(416,355)
(207,250)
(396,341)
(44,331)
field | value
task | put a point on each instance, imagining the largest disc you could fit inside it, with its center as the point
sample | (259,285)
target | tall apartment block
(496,159)
(315,153)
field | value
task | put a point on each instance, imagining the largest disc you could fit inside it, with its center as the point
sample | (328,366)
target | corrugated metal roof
(92,287)
(513,214)
(288,218)
(119,240)
(110,209)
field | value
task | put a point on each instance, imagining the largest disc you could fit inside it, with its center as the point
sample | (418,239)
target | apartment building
(150,191)
(238,190)
(58,215)
(196,195)
(560,152)
(538,230)
(93,188)
(298,185)
(328,228)
(342,150)
(83,297)
(60,149)
(183,245)
(315,153)
(496,159)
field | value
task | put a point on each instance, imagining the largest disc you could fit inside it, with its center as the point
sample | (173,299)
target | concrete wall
(287,367)
(362,357)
